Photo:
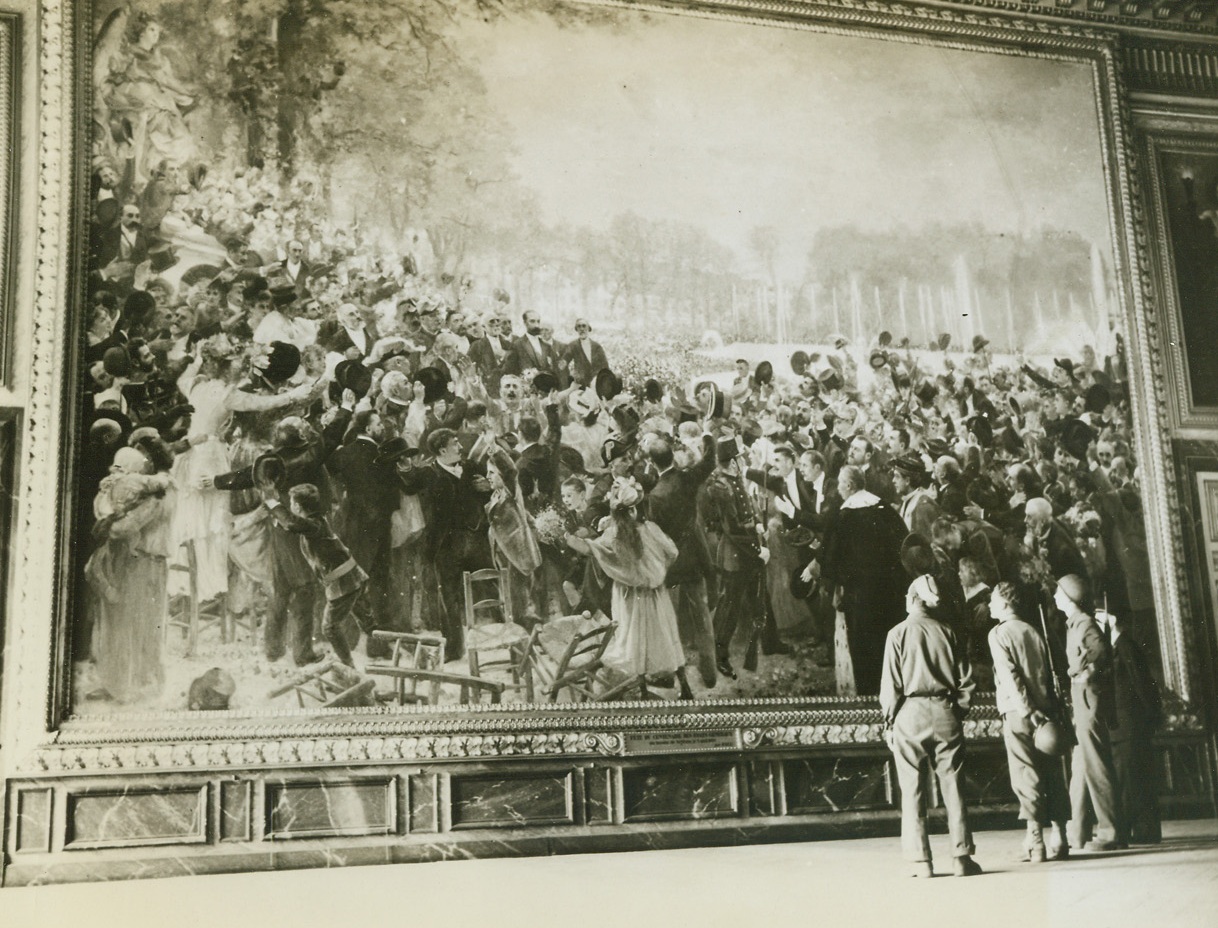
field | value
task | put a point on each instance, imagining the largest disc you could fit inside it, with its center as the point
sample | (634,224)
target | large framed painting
(403,371)
(547,379)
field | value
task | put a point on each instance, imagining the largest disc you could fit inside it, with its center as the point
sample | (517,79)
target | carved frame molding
(1179,135)
(10,114)
(43,745)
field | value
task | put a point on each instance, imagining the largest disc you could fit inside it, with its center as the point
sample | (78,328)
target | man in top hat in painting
(584,358)
(284,322)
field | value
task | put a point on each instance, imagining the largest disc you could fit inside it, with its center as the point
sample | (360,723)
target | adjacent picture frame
(1181,160)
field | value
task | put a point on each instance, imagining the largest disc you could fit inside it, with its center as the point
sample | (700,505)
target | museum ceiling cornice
(1192,20)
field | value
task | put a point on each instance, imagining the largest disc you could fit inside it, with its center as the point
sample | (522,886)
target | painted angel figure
(141,104)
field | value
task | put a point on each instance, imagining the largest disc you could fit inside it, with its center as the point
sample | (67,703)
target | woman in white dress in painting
(636,554)
(202,515)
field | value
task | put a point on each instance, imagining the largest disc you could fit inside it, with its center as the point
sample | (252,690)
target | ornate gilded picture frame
(10,96)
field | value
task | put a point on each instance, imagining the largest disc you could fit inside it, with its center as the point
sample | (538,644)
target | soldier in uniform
(734,534)
(1027,698)
(926,687)
(1093,795)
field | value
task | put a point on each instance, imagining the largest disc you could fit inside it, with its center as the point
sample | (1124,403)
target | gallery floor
(848,883)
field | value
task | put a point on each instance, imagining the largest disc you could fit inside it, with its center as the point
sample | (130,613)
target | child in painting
(341,577)
(635,554)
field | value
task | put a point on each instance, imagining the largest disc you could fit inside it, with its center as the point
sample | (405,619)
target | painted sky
(728,127)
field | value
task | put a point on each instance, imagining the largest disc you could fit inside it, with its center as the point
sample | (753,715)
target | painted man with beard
(530,352)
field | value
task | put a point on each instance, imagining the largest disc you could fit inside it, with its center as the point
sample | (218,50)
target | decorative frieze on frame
(10,90)
(371,748)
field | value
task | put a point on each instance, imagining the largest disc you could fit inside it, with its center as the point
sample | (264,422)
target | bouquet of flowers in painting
(550,526)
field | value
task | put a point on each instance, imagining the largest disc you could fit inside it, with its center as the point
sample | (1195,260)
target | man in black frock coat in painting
(372,496)
(673,506)
(863,558)
(453,494)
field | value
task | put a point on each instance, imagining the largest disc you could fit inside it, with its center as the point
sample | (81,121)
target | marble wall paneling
(838,783)
(423,806)
(987,778)
(691,790)
(32,820)
(515,801)
(236,808)
(135,816)
(765,787)
(318,809)
(598,796)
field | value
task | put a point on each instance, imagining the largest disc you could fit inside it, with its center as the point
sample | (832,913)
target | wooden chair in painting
(423,651)
(582,674)
(190,615)
(494,642)
(329,685)
(430,684)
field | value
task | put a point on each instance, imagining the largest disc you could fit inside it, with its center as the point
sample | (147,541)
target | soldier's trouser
(1093,795)
(927,735)
(1038,780)
(739,602)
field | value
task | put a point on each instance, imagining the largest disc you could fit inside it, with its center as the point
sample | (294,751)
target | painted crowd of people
(443,432)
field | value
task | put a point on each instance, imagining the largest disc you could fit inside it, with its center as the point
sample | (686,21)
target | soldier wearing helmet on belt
(1027,699)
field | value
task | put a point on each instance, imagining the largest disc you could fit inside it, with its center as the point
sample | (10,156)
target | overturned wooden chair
(469,689)
(423,651)
(330,685)
(582,674)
